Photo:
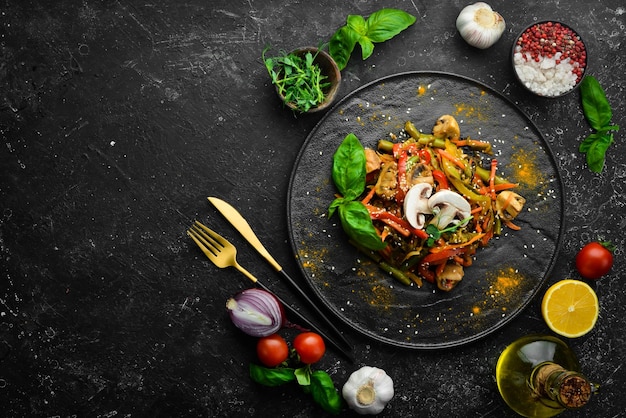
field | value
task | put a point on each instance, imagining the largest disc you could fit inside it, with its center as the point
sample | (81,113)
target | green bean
(385,146)
(484,175)
(396,273)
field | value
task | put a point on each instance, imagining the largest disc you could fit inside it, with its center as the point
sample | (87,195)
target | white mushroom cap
(416,204)
(448,206)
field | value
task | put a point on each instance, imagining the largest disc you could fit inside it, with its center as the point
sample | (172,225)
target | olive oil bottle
(539,376)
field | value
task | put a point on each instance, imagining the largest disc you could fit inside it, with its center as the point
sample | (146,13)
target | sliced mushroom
(509,204)
(448,207)
(387,183)
(420,173)
(416,204)
(451,275)
(446,127)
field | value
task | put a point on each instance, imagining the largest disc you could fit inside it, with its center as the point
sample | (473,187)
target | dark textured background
(118,118)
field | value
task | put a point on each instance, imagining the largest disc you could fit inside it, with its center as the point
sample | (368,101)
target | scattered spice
(313,260)
(524,169)
(379,294)
(505,283)
(467,111)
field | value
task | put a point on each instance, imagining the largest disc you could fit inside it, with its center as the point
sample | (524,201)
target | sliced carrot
(492,178)
(455,160)
(369,196)
(460,245)
(512,226)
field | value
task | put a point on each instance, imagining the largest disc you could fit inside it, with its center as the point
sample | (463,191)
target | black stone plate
(505,276)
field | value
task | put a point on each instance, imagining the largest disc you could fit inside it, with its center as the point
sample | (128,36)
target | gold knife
(237,220)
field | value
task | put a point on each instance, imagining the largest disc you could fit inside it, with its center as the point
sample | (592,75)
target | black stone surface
(119,118)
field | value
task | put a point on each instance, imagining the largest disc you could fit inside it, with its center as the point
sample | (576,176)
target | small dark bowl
(558,79)
(329,68)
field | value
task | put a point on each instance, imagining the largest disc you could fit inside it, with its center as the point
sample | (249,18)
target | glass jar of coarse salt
(549,58)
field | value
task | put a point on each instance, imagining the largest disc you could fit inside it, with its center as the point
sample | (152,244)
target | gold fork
(224,254)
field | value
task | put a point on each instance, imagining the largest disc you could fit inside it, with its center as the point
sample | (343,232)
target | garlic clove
(479,25)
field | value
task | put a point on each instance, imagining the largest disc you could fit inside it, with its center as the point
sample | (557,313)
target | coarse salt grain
(545,77)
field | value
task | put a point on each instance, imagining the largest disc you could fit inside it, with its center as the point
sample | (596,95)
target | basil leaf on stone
(342,44)
(357,223)
(380,26)
(387,23)
(303,376)
(270,376)
(596,151)
(598,113)
(596,107)
(349,168)
(367,47)
(357,23)
(324,393)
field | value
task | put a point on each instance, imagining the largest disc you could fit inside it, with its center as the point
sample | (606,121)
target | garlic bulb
(368,390)
(479,25)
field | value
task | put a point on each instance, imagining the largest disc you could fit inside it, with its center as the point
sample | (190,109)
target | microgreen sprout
(435,233)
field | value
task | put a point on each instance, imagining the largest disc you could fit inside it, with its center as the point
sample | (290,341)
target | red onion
(256,312)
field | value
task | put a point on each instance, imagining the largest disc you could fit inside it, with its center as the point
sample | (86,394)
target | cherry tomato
(309,346)
(272,350)
(594,260)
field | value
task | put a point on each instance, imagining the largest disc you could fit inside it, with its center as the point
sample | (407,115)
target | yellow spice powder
(505,282)
(524,169)
(467,111)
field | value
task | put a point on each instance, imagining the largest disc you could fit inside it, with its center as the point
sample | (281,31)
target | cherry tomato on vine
(272,350)
(309,346)
(595,260)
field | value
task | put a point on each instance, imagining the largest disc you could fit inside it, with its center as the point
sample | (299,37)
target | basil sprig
(349,173)
(598,113)
(317,383)
(380,26)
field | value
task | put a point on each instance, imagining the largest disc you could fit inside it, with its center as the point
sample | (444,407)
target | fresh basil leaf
(342,44)
(387,23)
(356,222)
(357,23)
(596,107)
(597,151)
(367,47)
(303,376)
(586,144)
(348,171)
(324,392)
(607,129)
(271,377)
(334,205)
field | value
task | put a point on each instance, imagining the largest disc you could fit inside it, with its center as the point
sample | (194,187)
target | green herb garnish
(349,173)
(297,78)
(380,26)
(317,383)
(598,113)
(434,233)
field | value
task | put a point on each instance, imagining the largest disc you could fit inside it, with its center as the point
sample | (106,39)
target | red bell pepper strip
(381,214)
(441,179)
(424,156)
